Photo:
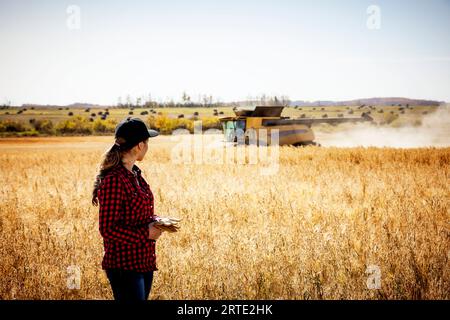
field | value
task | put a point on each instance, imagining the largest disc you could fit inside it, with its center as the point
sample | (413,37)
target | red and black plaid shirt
(125,210)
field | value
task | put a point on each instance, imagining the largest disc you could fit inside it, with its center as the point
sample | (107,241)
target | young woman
(126,213)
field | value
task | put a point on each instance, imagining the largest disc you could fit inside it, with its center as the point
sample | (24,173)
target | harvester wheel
(246,140)
(306,143)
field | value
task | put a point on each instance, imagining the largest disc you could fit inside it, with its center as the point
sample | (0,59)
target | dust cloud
(434,131)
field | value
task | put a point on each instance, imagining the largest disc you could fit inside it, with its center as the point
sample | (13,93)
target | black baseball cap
(133,130)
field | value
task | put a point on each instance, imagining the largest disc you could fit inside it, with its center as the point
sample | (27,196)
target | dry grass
(307,233)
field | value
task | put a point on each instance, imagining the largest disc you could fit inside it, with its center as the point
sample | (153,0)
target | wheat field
(315,230)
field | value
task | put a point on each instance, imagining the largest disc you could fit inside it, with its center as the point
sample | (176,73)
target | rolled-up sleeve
(111,196)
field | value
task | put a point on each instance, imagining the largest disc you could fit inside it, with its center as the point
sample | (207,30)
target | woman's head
(120,152)
(131,154)
(131,144)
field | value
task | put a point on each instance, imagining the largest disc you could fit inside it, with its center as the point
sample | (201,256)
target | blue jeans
(130,285)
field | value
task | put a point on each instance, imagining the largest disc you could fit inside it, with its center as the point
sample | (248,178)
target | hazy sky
(230,49)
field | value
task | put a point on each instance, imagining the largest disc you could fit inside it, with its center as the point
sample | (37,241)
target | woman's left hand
(154,232)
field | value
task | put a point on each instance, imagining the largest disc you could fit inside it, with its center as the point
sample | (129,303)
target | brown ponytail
(111,159)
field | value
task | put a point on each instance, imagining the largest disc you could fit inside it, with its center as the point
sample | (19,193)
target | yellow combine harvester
(245,126)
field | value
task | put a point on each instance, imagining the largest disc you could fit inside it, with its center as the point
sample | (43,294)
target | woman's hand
(154,231)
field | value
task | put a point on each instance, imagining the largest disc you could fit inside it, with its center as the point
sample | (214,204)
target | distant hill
(83,105)
(72,105)
(369,101)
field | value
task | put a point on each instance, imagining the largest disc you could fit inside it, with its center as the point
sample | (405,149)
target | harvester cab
(255,126)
